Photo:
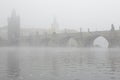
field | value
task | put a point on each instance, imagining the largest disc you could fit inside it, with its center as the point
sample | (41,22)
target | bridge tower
(13,29)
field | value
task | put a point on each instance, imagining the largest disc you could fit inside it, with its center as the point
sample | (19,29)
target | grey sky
(95,14)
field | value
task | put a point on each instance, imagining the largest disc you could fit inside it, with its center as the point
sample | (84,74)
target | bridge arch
(72,42)
(100,41)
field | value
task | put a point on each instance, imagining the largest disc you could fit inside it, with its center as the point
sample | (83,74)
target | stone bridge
(81,39)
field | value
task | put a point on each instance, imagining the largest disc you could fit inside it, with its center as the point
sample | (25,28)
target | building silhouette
(13,29)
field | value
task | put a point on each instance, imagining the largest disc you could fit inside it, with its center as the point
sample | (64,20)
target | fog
(73,14)
(59,40)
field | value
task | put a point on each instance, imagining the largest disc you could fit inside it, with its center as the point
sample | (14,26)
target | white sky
(95,14)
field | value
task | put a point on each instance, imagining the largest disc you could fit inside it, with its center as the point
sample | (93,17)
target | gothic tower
(54,26)
(13,29)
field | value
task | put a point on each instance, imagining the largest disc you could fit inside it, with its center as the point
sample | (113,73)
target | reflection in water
(114,61)
(63,64)
(13,65)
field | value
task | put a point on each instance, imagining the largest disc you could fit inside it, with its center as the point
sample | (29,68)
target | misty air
(59,40)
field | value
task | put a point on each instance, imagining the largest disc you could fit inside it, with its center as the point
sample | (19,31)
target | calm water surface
(59,64)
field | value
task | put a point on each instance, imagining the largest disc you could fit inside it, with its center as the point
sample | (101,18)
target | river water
(59,64)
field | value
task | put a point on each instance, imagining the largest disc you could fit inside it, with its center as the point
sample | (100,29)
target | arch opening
(101,42)
(72,42)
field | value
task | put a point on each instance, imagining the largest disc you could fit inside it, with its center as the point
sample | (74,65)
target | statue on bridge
(112,28)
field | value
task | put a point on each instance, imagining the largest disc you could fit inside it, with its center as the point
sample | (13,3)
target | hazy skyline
(73,14)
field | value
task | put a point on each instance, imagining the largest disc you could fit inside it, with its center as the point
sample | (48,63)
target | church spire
(13,13)
(54,25)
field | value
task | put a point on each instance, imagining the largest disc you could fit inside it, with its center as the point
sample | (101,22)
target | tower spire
(13,13)
(54,25)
